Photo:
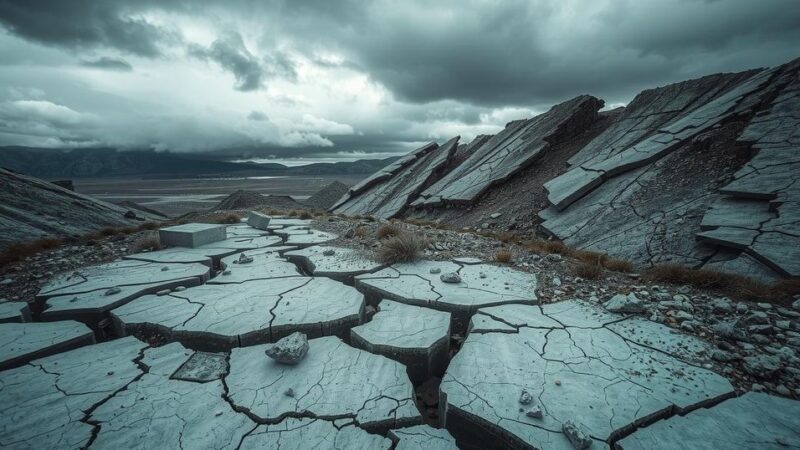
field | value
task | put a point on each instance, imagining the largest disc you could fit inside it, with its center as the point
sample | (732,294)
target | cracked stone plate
(422,437)
(22,342)
(306,433)
(219,317)
(343,264)
(333,381)
(305,238)
(753,421)
(119,274)
(265,264)
(14,312)
(602,371)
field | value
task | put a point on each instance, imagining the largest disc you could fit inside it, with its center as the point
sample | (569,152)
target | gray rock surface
(258,220)
(191,235)
(305,433)
(14,312)
(302,236)
(222,316)
(422,437)
(290,349)
(415,336)
(333,381)
(261,264)
(42,403)
(580,364)
(327,196)
(32,208)
(753,421)
(343,265)
(23,342)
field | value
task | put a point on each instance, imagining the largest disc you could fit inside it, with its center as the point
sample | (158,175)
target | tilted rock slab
(637,192)
(508,152)
(89,293)
(305,433)
(392,195)
(23,342)
(753,421)
(415,336)
(342,265)
(218,317)
(420,284)
(603,372)
(333,381)
(43,403)
(422,437)
(242,243)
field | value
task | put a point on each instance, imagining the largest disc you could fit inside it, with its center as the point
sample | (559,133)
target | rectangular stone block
(192,235)
(258,220)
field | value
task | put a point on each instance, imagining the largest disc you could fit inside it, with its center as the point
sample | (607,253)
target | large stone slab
(417,337)
(120,274)
(23,342)
(339,263)
(247,230)
(222,316)
(157,411)
(14,312)
(258,220)
(421,284)
(570,361)
(257,265)
(242,243)
(752,421)
(333,381)
(43,403)
(422,437)
(191,235)
(390,197)
(304,433)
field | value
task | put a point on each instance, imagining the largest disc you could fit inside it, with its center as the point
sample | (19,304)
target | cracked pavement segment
(23,342)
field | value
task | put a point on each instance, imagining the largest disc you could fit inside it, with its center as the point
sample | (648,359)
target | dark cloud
(108,63)
(230,52)
(85,24)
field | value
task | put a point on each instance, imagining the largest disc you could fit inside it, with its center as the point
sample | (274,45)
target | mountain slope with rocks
(702,173)
(31,208)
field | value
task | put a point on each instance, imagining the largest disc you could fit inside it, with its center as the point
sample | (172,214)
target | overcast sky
(341,77)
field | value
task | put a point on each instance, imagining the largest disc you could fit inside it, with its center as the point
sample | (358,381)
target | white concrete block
(258,220)
(192,235)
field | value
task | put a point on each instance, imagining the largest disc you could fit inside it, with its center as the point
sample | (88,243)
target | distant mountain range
(108,162)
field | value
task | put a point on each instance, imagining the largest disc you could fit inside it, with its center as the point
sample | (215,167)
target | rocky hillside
(702,173)
(31,208)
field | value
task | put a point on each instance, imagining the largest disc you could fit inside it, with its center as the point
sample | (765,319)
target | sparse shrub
(149,226)
(361,232)
(388,230)
(542,246)
(108,231)
(229,218)
(149,241)
(504,256)
(306,215)
(507,237)
(590,270)
(16,252)
(618,265)
(402,247)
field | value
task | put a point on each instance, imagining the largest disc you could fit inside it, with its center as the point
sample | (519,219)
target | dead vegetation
(504,256)
(732,285)
(147,242)
(16,252)
(388,230)
(402,247)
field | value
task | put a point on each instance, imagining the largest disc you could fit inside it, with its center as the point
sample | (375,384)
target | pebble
(450,277)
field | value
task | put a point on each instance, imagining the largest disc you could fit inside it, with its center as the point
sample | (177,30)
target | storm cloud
(374,76)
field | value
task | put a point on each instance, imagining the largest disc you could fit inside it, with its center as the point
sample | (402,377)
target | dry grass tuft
(361,232)
(618,265)
(507,237)
(306,215)
(17,252)
(149,241)
(589,270)
(504,256)
(542,246)
(737,286)
(403,247)
(388,230)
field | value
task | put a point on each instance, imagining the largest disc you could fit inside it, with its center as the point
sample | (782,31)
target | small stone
(165,268)
(328,252)
(289,350)
(436,270)
(163,292)
(495,215)
(796,305)
(722,305)
(621,303)
(289,392)
(525,397)
(554,257)
(113,290)
(450,277)
(244,259)
(218,413)
(764,306)
(110,372)
(783,390)
(762,366)
(558,382)
(481,275)
(179,288)
(757,317)
(722,356)
(226,272)
(579,439)
(556,281)
(535,413)
(758,387)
